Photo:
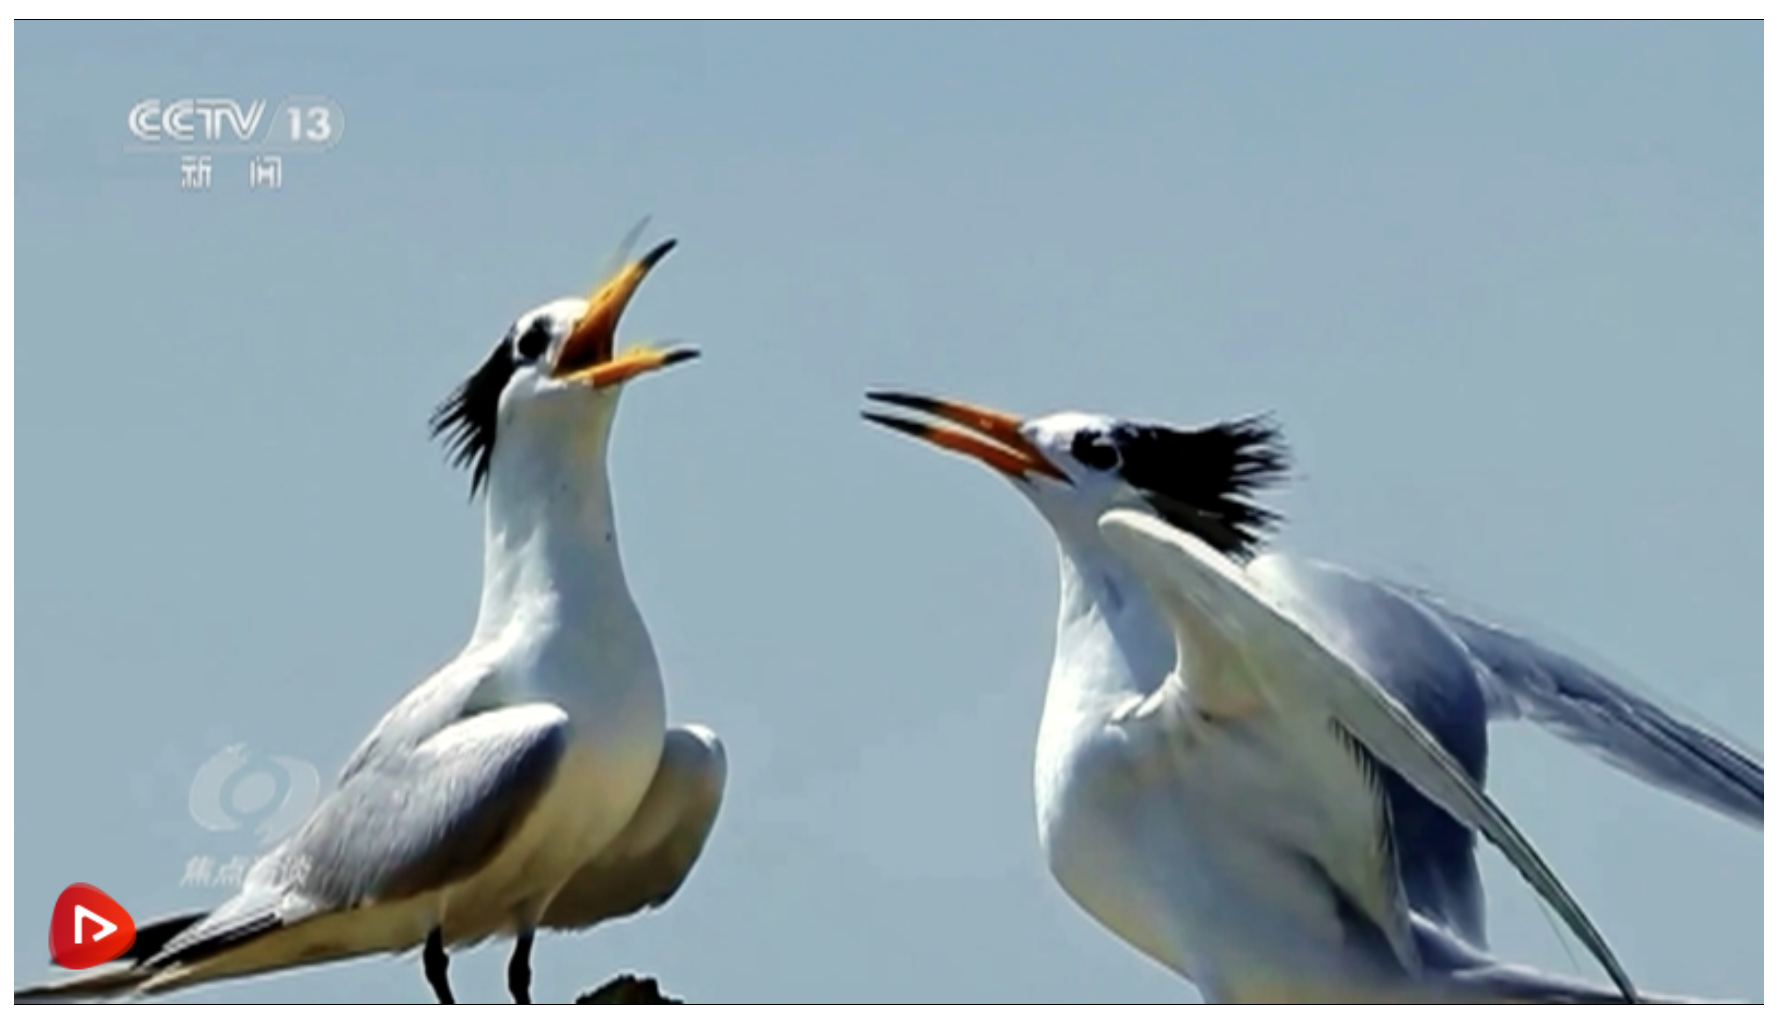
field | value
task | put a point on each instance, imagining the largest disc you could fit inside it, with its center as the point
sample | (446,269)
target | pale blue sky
(1502,284)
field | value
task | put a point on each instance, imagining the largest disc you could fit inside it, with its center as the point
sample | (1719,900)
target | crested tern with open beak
(1265,773)
(530,783)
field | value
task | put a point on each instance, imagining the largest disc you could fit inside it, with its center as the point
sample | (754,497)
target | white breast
(619,726)
(1208,846)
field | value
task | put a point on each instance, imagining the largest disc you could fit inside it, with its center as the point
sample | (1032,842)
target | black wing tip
(151,938)
(172,952)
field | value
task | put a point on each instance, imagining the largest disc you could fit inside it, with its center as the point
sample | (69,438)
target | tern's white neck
(550,547)
(1110,643)
(1110,648)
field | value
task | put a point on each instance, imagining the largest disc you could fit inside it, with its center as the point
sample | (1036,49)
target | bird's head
(554,378)
(1075,466)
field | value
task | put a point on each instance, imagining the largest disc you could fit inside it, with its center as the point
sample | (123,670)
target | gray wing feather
(398,825)
(1405,649)
(1178,565)
(651,860)
(1525,680)
(455,692)
(417,822)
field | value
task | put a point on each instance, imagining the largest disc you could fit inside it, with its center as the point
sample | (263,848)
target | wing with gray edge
(401,825)
(654,855)
(1629,731)
(1181,570)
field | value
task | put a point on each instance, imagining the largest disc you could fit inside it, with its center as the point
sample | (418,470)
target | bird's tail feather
(84,987)
(120,978)
(110,982)
(247,948)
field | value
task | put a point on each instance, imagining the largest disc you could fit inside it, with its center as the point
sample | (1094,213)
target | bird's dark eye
(1095,450)
(534,341)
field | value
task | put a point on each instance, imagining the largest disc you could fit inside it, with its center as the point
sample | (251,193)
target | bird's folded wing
(655,853)
(458,690)
(1626,729)
(401,825)
(1193,580)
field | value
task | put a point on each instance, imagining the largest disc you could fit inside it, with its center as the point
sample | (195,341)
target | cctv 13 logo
(88,928)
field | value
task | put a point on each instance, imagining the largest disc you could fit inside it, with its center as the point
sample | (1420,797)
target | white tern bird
(530,783)
(1265,773)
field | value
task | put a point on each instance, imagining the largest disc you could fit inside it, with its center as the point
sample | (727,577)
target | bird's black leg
(518,971)
(438,966)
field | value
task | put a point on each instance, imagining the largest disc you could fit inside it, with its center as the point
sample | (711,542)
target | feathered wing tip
(1180,571)
(94,985)
(466,419)
(123,977)
(1205,481)
(1626,725)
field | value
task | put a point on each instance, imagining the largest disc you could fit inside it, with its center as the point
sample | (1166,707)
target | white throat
(551,567)
(1111,649)
(1110,644)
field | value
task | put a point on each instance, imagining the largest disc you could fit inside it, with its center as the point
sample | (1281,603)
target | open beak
(993,437)
(589,356)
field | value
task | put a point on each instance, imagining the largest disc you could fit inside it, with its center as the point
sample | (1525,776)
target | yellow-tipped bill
(589,355)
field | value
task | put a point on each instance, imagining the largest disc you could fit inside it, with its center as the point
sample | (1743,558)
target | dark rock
(628,989)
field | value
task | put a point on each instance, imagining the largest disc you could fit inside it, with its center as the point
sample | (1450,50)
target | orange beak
(588,355)
(993,437)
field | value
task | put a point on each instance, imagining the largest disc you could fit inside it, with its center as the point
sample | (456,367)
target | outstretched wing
(1523,679)
(651,859)
(1194,582)
(1404,648)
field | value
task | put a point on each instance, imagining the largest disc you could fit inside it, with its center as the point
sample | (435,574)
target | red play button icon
(88,928)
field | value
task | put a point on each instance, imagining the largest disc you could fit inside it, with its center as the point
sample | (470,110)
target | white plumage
(1265,774)
(529,783)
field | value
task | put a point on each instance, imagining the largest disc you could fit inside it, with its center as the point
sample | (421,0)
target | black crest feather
(1203,481)
(467,418)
